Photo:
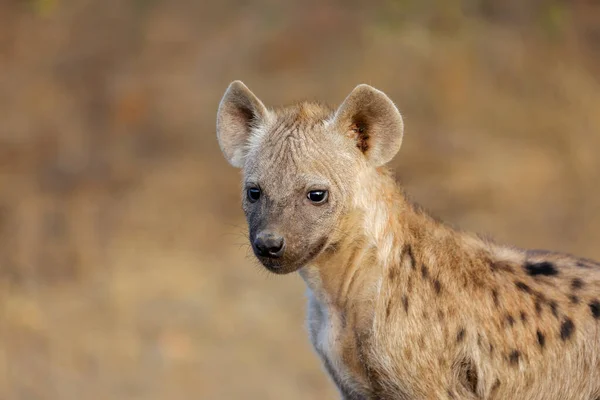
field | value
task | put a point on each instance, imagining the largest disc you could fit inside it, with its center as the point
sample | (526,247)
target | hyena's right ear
(372,120)
(239,111)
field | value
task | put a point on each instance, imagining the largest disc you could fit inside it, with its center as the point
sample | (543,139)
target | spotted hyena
(402,306)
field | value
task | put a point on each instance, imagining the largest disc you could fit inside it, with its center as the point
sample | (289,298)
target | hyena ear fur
(239,111)
(369,117)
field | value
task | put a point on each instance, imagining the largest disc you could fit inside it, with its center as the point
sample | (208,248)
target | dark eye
(253,194)
(317,196)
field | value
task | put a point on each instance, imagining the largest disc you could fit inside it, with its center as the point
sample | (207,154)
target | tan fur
(402,306)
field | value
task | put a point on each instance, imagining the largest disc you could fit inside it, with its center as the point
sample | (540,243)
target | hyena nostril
(269,245)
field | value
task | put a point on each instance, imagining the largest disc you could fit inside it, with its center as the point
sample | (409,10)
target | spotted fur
(402,306)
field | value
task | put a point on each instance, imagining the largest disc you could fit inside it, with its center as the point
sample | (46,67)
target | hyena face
(294,191)
(300,166)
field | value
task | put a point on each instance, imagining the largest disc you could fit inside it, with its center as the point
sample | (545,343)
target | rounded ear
(239,112)
(369,117)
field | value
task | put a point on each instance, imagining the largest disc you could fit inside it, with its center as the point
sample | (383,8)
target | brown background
(124,270)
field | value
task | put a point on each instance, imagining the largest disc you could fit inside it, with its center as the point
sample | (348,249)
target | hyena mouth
(286,265)
(276,268)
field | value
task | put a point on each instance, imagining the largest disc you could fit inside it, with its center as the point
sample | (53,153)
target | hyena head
(301,166)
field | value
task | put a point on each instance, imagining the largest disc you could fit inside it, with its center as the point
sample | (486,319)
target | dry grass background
(123,264)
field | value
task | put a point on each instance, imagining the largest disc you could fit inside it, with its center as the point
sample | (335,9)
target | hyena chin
(402,306)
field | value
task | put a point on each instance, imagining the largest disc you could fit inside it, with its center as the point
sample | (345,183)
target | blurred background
(124,268)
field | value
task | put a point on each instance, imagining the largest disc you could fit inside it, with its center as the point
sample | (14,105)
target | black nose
(268,245)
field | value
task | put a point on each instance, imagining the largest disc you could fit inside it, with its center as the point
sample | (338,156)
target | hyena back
(402,306)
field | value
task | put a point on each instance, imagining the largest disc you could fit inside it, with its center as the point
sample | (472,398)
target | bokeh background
(124,268)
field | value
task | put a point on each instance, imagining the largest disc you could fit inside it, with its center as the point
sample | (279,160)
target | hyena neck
(383,232)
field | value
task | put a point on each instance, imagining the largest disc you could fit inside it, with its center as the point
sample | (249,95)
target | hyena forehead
(300,143)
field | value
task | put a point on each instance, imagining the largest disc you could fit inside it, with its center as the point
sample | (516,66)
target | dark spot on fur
(437,286)
(392,274)
(523,316)
(491,348)
(513,357)
(553,308)
(388,308)
(586,263)
(510,320)
(523,287)
(495,297)
(595,308)
(471,377)
(440,315)
(574,299)
(541,339)
(541,296)
(538,306)
(405,303)
(477,281)
(566,329)
(576,284)
(479,339)
(460,336)
(500,266)
(409,284)
(424,272)
(408,251)
(544,268)
(495,386)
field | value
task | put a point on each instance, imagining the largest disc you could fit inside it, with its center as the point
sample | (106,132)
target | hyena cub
(402,306)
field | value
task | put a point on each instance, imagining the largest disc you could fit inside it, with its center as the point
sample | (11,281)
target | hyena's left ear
(369,117)
(239,111)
